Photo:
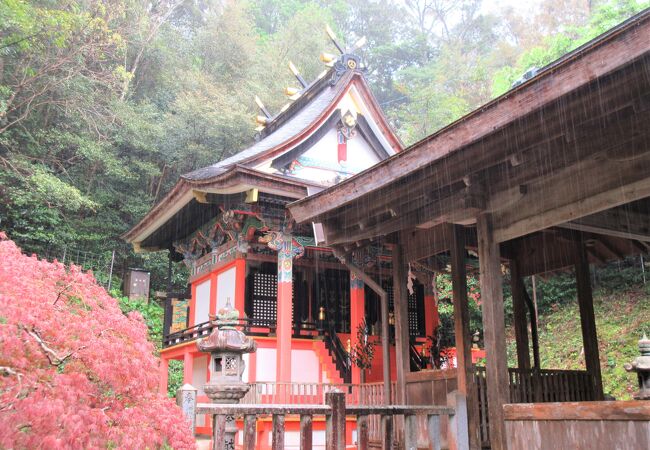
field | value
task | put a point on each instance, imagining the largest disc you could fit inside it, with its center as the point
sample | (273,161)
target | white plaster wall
(265,364)
(202,304)
(305,366)
(226,287)
(321,161)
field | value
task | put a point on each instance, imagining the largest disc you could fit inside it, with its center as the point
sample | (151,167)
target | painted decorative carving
(288,248)
(234,225)
(355,282)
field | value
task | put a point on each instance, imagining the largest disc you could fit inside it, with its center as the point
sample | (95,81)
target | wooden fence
(335,410)
(593,425)
(535,386)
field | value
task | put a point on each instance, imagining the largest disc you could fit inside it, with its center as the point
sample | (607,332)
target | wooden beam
(493,329)
(630,410)
(520,320)
(422,244)
(454,207)
(400,304)
(583,189)
(617,222)
(462,332)
(587,319)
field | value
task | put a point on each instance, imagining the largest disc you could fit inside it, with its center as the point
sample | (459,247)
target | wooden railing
(335,411)
(274,392)
(252,327)
(535,386)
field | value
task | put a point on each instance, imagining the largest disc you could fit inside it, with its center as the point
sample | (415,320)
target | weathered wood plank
(363,439)
(240,409)
(457,435)
(335,424)
(218,432)
(520,319)
(580,434)
(582,189)
(250,421)
(597,410)
(494,329)
(588,319)
(399,410)
(433,428)
(277,437)
(387,432)
(462,332)
(410,432)
(306,434)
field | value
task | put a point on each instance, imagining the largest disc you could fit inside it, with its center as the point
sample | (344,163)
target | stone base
(226,393)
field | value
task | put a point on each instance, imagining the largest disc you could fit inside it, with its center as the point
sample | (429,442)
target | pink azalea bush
(75,372)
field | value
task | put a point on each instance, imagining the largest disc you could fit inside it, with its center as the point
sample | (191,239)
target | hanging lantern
(391,318)
(321,313)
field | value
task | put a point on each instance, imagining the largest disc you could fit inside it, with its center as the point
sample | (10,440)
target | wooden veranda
(554,174)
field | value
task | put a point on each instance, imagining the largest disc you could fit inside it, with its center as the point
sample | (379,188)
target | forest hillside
(104,104)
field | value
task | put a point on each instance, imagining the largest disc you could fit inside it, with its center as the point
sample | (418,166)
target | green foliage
(175,379)
(446,308)
(621,319)
(103,105)
(605,16)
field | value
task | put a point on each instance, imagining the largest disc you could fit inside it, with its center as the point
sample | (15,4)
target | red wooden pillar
(240,285)
(164,375)
(288,249)
(357,314)
(188,368)
(431,317)
(283,326)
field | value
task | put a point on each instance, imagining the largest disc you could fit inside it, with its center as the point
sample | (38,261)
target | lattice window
(415,307)
(414,318)
(265,290)
(231,365)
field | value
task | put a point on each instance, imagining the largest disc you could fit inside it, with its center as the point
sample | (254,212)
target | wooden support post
(462,332)
(400,303)
(587,320)
(306,434)
(363,438)
(277,438)
(520,320)
(457,433)
(494,329)
(219,432)
(335,426)
(387,432)
(249,431)
(433,428)
(410,432)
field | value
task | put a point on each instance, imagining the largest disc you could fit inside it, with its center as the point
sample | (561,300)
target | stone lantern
(226,346)
(641,365)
